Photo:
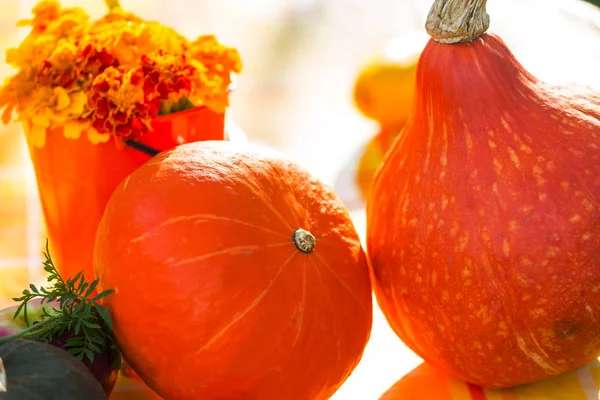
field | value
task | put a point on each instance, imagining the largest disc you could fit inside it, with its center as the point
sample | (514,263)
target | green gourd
(39,371)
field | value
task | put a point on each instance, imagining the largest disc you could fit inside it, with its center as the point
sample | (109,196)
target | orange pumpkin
(427,382)
(483,223)
(237,276)
(383,90)
(75,179)
(371,157)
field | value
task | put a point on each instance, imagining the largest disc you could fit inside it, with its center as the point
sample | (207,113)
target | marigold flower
(119,103)
(219,63)
(109,77)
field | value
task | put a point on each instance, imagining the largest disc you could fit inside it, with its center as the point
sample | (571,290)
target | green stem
(25,333)
(112,4)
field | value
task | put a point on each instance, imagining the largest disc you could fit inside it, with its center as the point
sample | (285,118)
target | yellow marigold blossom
(35,132)
(73,130)
(96,138)
(119,103)
(66,106)
(109,77)
(219,63)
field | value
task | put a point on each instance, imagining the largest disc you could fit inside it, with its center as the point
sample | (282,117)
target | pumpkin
(104,368)
(427,382)
(238,276)
(383,89)
(483,222)
(36,370)
(370,159)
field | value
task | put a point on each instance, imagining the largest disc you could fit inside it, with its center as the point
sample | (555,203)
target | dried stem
(304,241)
(457,21)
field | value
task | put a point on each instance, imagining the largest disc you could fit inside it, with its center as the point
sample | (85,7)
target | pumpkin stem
(457,21)
(304,241)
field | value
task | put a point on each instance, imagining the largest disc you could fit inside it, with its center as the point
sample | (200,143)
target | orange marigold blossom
(110,77)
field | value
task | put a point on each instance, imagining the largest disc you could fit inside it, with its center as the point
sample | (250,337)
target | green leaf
(85,321)
(91,288)
(90,325)
(101,340)
(89,354)
(75,341)
(82,288)
(103,295)
(105,317)
(18,310)
(80,307)
(76,351)
(94,348)
(61,301)
(25,316)
(77,326)
(73,281)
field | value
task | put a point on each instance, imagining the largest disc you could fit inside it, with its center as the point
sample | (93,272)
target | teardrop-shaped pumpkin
(237,276)
(484,221)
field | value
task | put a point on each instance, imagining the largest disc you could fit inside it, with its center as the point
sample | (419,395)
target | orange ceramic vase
(75,179)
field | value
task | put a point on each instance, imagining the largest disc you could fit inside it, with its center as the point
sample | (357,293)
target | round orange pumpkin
(237,276)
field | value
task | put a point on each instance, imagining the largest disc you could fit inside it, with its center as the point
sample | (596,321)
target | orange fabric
(426,382)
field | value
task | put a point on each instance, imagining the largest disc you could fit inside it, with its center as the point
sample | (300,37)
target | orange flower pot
(75,179)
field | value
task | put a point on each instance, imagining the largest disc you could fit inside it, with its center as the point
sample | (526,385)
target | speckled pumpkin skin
(484,221)
(214,299)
